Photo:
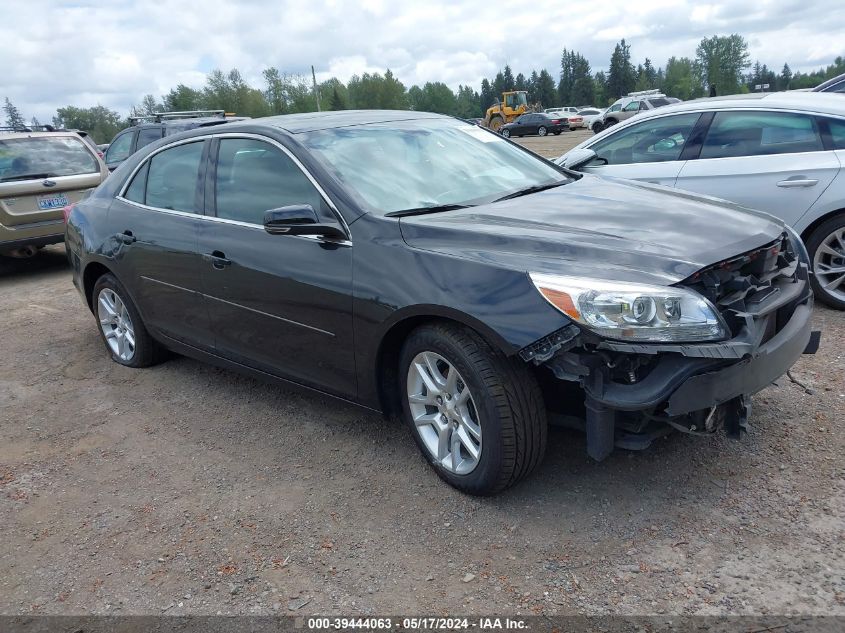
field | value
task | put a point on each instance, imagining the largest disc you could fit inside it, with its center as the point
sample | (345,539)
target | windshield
(45,156)
(426,163)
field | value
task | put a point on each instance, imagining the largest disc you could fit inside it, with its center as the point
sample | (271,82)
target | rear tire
(507,410)
(119,320)
(826,247)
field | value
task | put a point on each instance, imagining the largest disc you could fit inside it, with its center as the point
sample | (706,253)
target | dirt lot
(188,489)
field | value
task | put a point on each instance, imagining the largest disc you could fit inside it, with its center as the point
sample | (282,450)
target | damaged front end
(637,390)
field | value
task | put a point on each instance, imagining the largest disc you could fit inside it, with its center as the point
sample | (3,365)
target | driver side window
(655,141)
(632,107)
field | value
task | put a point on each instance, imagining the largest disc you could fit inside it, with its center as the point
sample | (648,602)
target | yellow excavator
(513,103)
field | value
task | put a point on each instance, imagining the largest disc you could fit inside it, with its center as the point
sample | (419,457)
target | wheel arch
(93,271)
(398,330)
(808,230)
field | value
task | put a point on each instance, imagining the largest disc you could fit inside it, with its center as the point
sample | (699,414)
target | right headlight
(633,312)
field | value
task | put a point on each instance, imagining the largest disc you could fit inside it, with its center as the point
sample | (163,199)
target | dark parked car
(419,265)
(148,129)
(534,123)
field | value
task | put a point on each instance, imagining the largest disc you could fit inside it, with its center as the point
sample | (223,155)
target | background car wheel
(597,127)
(476,415)
(121,327)
(541,131)
(572,129)
(826,246)
(506,133)
(608,123)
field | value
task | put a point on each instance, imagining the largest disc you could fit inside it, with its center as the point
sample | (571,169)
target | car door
(156,220)
(120,149)
(772,161)
(650,150)
(278,303)
(518,125)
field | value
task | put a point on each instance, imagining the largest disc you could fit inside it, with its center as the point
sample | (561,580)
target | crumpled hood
(606,227)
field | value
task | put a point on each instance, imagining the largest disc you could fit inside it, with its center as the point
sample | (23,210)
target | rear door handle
(218,260)
(126,237)
(798,182)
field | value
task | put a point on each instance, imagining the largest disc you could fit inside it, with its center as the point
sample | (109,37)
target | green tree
(575,84)
(682,79)
(785,77)
(182,98)
(546,92)
(371,91)
(487,94)
(100,122)
(467,103)
(601,97)
(721,60)
(621,77)
(13,115)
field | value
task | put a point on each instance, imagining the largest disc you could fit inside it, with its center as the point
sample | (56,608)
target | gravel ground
(186,489)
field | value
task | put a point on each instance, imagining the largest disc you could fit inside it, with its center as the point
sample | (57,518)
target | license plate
(54,201)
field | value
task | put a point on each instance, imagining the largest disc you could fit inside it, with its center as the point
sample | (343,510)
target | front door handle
(797,182)
(126,237)
(218,260)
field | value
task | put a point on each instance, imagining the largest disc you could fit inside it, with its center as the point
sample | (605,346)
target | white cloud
(113,52)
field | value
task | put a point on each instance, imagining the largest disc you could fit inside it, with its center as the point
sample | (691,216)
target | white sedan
(783,153)
(590,115)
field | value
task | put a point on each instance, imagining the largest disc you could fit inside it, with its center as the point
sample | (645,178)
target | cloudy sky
(112,52)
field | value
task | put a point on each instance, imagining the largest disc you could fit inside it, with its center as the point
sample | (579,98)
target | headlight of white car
(633,312)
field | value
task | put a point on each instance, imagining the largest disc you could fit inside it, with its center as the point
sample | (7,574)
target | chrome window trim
(203,216)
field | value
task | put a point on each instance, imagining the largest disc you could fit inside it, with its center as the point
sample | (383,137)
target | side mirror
(577,158)
(299,219)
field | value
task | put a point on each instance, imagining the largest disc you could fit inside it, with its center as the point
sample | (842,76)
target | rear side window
(137,191)
(147,135)
(172,178)
(838,87)
(634,105)
(659,102)
(652,141)
(837,133)
(120,148)
(45,157)
(735,134)
(254,177)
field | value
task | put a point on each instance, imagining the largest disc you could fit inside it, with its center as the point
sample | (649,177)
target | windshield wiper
(24,177)
(423,210)
(531,189)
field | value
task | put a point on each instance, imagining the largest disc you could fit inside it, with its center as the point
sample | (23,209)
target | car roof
(311,121)
(818,102)
(25,134)
(830,82)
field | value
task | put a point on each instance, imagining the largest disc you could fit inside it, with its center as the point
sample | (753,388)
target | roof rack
(642,93)
(158,117)
(30,128)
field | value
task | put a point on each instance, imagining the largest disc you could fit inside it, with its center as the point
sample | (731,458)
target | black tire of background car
(597,127)
(510,406)
(608,123)
(813,242)
(147,351)
(506,133)
(541,130)
(557,133)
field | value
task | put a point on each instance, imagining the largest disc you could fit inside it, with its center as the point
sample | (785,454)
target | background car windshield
(45,156)
(424,163)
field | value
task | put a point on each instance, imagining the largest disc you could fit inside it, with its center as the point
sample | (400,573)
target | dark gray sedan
(424,267)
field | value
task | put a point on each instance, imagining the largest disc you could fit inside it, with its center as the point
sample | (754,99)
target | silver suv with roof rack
(146,129)
(628,106)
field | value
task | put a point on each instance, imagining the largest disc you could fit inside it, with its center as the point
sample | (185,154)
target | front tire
(476,415)
(121,327)
(506,133)
(826,247)
(541,131)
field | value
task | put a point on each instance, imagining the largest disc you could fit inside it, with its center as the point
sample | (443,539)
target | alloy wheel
(829,264)
(444,413)
(116,324)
